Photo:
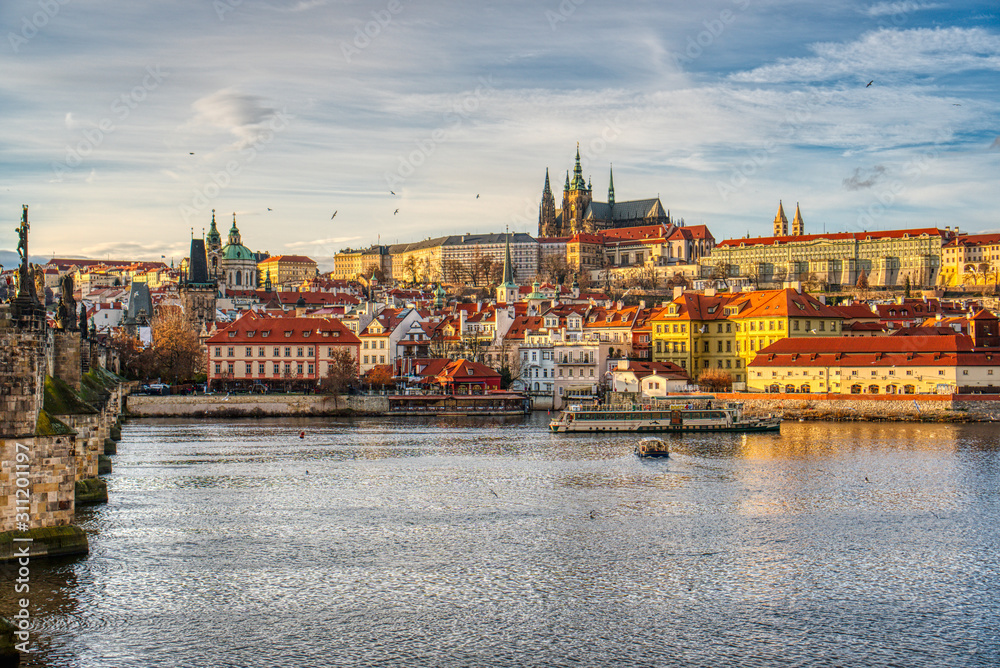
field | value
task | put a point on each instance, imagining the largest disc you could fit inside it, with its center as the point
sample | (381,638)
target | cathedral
(781,222)
(580,213)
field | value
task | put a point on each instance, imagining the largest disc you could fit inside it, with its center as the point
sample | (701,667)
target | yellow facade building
(971,260)
(286,271)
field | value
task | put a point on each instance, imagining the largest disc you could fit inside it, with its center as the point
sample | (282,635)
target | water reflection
(456,542)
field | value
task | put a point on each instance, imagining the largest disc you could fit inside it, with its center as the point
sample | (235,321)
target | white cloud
(896,8)
(243,115)
(885,52)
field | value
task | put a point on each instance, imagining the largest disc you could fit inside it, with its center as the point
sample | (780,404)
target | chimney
(709,292)
(678,291)
(642,304)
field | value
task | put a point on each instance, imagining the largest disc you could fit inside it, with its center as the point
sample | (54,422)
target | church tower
(611,187)
(213,248)
(780,222)
(798,227)
(576,198)
(547,211)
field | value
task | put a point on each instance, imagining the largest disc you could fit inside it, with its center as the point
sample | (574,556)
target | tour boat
(652,447)
(671,418)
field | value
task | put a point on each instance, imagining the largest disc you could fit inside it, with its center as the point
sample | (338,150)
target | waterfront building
(287,271)
(725,331)
(649,379)
(837,260)
(582,370)
(277,351)
(381,337)
(930,364)
(580,214)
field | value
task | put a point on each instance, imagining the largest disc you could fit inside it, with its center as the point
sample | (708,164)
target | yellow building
(878,365)
(286,271)
(971,260)
(726,331)
(348,264)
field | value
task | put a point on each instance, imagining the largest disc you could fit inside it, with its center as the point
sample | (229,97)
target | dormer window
(265,333)
(254,333)
(288,334)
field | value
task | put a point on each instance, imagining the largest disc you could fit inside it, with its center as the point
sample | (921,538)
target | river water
(453,542)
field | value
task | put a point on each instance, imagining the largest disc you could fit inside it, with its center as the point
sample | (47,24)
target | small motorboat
(652,447)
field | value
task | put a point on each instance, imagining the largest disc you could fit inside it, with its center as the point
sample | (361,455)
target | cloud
(862,179)
(895,8)
(245,116)
(919,51)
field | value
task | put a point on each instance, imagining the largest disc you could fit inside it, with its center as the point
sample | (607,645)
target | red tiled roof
(282,331)
(287,258)
(836,236)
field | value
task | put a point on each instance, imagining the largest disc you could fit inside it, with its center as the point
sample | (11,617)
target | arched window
(908,389)
(873,389)
(805,389)
(790,389)
(856,388)
(237,278)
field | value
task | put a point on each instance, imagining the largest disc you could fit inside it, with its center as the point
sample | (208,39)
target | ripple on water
(447,543)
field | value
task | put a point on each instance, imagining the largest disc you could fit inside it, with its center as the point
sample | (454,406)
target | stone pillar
(65,355)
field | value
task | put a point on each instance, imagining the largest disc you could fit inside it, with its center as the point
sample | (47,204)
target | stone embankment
(869,407)
(254,405)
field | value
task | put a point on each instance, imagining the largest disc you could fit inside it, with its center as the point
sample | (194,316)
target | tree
(135,361)
(341,373)
(411,266)
(715,380)
(555,268)
(380,376)
(376,271)
(906,287)
(862,285)
(177,354)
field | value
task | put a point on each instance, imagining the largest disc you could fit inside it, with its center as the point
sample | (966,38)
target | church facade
(581,214)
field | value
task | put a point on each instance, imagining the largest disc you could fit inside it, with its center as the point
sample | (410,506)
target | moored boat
(697,416)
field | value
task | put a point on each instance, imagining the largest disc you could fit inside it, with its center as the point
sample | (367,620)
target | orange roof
(693,232)
(837,236)
(277,330)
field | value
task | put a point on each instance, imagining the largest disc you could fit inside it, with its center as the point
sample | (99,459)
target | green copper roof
(237,252)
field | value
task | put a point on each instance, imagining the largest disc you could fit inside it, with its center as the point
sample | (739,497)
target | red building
(280,352)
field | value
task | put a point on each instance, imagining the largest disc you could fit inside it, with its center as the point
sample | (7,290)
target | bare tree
(341,374)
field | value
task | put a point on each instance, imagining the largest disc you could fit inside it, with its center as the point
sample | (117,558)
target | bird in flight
(191,153)
(395,212)
(391,192)
(268,208)
(477,195)
(334,214)
(870,83)
(956,105)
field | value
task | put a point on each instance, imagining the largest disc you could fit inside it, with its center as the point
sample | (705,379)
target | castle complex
(581,214)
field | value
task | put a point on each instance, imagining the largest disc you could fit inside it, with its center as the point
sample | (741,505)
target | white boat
(672,418)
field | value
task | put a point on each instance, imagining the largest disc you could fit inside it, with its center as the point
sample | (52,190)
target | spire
(214,239)
(566,187)
(798,227)
(234,233)
(546,190)
(780,222)
(267,281)
(611,186)
(508,266)
(578,182)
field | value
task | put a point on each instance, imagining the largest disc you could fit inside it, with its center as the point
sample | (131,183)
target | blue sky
(307,107)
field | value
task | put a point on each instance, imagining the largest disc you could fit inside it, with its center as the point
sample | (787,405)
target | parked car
(158,388)
(258,388)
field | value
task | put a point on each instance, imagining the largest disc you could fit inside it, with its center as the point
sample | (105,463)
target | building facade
(286,271)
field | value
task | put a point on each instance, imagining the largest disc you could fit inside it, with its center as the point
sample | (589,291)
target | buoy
(302,434)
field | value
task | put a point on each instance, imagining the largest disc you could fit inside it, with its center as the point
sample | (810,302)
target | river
(461,542)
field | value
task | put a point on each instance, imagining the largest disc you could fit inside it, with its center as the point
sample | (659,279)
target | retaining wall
(253,405)
(943,407)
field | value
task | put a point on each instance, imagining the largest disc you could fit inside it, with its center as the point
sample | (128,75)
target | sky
(123,124)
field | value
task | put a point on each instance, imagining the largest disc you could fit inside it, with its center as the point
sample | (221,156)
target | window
(909,372)
(719,328)
(965,372)
(260,368)
(229,352)
(365,345)
(822,325)
(365,359)
(683,346)
(309,352)
(591,372)
(260,353)
(781,325)
(276,368)
(312,369)
(218,351)
(795,327)
(381,344)
(570,374)
(381,359)
(770,325)
(218,368)
(249,351)
(248,368)
(683,329)
(675,328)
(753,326)
(288,351)
(940,372)
(277,351)
(299,367)
(534,355)
(231,368)
(728,327)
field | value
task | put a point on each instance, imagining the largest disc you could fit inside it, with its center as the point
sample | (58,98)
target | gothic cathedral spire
(547,211)
(611,186)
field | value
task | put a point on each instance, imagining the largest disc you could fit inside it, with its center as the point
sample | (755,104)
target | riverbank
(872,407)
